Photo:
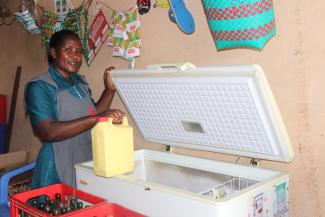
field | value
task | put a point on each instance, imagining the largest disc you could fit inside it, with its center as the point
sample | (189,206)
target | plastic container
(19,201)
(3,109)
(3,130)
(113,148)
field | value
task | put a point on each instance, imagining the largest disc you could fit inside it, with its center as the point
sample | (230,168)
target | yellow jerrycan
(112,146)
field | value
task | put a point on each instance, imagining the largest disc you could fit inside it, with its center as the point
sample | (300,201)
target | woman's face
(68,57)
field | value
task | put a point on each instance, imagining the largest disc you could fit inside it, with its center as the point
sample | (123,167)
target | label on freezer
(259,209)
(281,203)
(271,203)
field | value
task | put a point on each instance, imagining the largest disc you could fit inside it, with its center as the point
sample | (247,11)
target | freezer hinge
(253,162)
(168,148)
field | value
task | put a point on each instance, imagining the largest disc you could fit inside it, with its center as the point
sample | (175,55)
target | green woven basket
(240,23)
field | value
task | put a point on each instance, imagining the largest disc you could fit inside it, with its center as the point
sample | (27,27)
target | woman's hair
(57,39)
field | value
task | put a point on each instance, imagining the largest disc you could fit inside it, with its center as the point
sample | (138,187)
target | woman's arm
(52,130)
(106,98)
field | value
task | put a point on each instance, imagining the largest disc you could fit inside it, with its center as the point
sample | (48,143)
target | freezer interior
(210,184)
(191,175)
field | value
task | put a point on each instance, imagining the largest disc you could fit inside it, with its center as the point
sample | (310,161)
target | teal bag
(240,23)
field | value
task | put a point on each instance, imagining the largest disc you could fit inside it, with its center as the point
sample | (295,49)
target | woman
(62,111)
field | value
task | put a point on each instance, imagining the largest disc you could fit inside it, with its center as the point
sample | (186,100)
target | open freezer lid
(225,109)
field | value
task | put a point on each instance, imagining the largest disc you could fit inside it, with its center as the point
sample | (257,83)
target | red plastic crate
(18,201)
(111,210)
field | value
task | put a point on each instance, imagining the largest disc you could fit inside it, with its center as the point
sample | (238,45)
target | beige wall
(292,61)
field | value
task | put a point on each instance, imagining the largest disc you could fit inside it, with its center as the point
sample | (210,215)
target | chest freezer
(228,109)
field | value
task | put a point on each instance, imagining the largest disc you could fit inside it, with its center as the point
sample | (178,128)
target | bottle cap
(102,119)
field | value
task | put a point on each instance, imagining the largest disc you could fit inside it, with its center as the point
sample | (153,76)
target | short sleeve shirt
(40,97)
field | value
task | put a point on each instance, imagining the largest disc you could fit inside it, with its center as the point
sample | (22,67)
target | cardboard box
(13,159)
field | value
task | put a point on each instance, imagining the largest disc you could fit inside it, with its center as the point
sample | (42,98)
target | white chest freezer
(227,109)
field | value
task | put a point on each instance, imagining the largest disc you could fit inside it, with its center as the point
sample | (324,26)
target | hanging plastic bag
(28,21)
(240,23)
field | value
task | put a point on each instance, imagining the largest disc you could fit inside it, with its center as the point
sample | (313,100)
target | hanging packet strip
(125,35)
(240,23)
(118,34)
(132,48)
(118,49)
(77,21)
(132,21)
(110,38)
(119,28)
(59,23)
(48,27)
(119,31)
(111,24)
(72,21)
(131,52)
(27,20)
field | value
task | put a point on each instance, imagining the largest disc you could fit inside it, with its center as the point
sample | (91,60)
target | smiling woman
(62,111)
(67,56)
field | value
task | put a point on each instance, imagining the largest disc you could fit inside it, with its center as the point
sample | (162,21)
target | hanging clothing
(51,96)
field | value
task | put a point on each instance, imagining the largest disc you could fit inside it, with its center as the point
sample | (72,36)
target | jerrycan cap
(102,119)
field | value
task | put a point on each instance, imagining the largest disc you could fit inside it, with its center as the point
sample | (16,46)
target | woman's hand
(115,114)
(105,100)
(108,83)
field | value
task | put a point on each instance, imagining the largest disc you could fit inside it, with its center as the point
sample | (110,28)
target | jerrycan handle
(124,121)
